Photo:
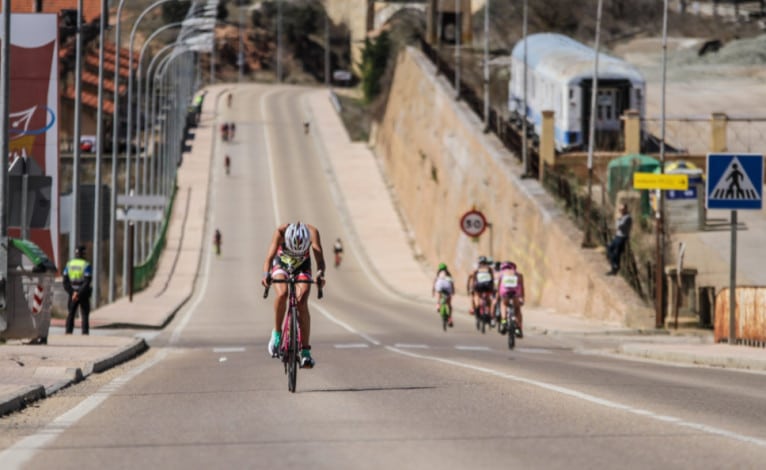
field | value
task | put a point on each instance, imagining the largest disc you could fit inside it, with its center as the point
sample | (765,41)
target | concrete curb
(699,358)
(128,352)
(18,401)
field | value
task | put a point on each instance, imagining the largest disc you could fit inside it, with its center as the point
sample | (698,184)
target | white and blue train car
(560,79)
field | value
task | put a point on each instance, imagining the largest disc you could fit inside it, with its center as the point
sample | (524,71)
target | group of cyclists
(499,284)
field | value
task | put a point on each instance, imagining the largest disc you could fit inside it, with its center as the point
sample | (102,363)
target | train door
(612,101)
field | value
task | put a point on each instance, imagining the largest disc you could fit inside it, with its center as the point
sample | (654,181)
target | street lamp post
(458,38)
(129,127)
(5,76)
(74,234)
(660,229)
(524,124)
(588,241)
(99,153)
(486,66)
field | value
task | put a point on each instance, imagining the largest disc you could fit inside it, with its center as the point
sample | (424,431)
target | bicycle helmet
(297,238)
(482,260)
(442,267)
(508,265)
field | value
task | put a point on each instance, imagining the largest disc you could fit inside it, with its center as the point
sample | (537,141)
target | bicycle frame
(291,333)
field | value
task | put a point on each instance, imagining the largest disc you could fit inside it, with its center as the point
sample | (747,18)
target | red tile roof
(89,99)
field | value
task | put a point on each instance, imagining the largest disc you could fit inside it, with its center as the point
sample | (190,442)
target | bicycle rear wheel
(292,352)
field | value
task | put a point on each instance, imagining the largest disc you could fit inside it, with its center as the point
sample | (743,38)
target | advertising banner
(33,125)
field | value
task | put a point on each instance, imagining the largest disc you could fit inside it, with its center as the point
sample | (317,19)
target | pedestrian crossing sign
(734,181)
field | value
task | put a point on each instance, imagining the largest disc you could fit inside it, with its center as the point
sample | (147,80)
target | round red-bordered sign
(473,223)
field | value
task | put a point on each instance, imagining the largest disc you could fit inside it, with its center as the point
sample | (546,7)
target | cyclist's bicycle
(290,343)
(483,313)
(510,326)
(444,309)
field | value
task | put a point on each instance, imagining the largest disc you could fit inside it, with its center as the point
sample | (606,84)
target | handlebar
(320,291)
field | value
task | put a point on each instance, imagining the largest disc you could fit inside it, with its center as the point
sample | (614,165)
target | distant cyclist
(337,249)
(443,284)
(217,241)
(511,289)
(480,281)
(306,126)
(290,249)
(227,164)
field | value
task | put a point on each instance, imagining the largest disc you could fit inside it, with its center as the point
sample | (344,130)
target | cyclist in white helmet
(290,249)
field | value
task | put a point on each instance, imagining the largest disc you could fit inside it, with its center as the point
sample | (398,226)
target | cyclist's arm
(276,240)
(316,247)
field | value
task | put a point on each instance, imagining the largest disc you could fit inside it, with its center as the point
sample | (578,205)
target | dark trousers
(614,252)
(84,304)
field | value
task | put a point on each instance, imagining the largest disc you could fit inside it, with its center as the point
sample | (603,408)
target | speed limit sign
(473,223)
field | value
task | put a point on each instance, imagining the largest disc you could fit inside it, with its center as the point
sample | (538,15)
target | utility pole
(74,235)
(588,241)
(486,66)
(659,270)
(5,86)
(458,33)
(279,41)
(524,130)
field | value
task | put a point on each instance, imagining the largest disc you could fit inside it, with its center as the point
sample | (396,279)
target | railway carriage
(560,79)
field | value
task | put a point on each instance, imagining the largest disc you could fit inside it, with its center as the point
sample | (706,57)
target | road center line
(410,346)
(592,399)
(472,348)
(229,350)
(352,345)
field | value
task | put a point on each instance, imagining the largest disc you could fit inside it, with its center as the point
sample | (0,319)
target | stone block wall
(440,164)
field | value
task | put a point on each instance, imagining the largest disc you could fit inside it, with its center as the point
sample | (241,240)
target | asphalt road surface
(390,389)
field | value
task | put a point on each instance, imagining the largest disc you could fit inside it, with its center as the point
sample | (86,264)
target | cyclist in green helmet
(443,284)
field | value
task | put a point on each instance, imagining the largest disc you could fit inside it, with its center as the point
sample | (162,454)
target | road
(390,389)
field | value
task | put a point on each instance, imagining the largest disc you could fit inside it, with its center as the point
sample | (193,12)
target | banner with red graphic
(34,128)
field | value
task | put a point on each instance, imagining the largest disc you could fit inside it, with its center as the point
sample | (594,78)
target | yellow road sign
(660,181)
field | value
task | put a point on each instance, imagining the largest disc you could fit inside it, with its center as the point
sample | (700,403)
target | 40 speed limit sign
(473,223)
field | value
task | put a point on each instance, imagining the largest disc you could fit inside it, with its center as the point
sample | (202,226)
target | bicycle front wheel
(292,352)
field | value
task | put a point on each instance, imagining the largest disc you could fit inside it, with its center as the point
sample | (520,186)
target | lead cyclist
(290,249)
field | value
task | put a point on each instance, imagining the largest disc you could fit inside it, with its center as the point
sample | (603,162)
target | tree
(374,61)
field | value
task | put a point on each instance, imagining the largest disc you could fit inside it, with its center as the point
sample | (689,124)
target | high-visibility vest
(75,270)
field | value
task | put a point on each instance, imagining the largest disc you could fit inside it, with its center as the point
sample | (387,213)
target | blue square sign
(734,181)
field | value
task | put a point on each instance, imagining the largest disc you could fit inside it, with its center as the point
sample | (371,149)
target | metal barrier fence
(143,273)
(692,135)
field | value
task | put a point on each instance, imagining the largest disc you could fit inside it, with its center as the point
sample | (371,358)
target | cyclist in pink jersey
(290,250)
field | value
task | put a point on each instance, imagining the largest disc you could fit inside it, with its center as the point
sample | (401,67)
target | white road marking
(534,350)
(347,327)
(21,452)
(267,140)
(411,346)
(229,350)
(352,345)
(704,428)
(472,348)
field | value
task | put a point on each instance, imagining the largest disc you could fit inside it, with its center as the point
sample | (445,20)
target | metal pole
(486,66)
(733,281)
(241,57)
(326,47)
(5,85)
(99,155)
(524,130)
(115,142)
(130,140)
(279,41)
(660,229)
(588,241)
(458,34)
(74,235)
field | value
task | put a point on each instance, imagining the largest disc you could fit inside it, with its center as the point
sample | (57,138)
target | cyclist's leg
(280,303)
(517,312)
(304,317)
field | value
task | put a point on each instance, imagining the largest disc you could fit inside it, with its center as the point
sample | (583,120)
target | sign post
(734,182)
(473,223)
(661,182)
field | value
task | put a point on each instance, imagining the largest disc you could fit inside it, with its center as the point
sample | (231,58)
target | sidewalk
(29,373)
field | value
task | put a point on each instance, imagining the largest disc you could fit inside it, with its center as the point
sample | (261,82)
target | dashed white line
(229,350)
(592,399)
(352,346)
(472,348)
(411,346)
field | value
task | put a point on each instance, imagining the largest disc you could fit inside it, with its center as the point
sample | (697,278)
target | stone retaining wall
(440,164)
